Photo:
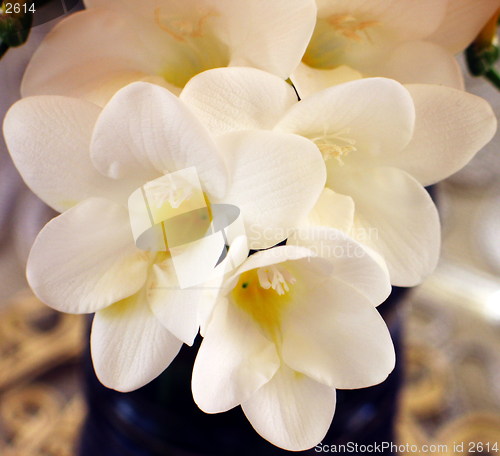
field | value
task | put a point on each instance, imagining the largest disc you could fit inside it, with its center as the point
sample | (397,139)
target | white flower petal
(129,346)
(237,254)
(333,334)
(308,80)
(271,36)
(351,262)
(176,308)
(91,51)
(100,92)
(85,259)
(145,130)
(332,210)
(49,138)
(276,180)
(280,254)
(232,99)
(378,114)
(291,411)
(421,62)
(451,126)
(397,218)
(234,360)
(463,21)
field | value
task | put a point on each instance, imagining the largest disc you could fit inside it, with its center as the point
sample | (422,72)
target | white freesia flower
(288,328)
(381,143)
(93,53)
(87,161)
(410,41)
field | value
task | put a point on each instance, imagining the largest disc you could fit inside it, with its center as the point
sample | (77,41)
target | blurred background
(452,322)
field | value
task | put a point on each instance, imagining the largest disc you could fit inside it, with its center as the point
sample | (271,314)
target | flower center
(335,145)
(168,192)
(264,294)
(349,27)
(181,28)
(169,211)
(196,48)
(334,39)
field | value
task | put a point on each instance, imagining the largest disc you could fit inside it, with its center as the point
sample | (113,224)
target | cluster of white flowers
(125,93)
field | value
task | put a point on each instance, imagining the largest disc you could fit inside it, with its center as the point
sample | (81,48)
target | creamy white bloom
(87,161)
(381,143)
(93,53)
(288,328)
(410,41)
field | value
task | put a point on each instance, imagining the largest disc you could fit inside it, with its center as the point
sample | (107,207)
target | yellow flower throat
(264,294)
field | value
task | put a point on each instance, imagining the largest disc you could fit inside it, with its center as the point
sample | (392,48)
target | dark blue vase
(161,419)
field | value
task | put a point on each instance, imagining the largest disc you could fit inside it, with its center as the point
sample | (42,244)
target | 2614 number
(479,447)
(17,8)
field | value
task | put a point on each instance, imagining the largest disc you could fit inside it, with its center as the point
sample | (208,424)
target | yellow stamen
(171,193)
(181,29)
(349,27)
(329,146)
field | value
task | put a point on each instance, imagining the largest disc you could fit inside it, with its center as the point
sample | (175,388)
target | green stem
(493,76)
